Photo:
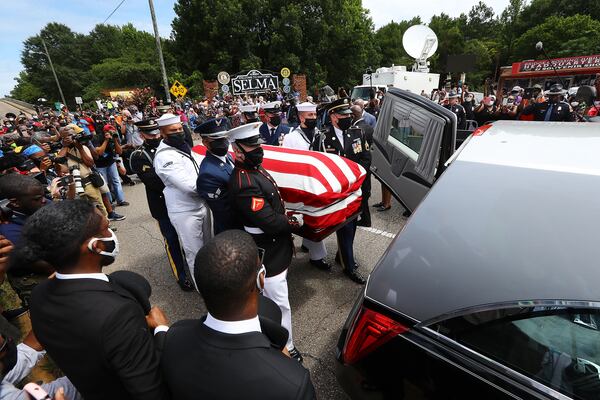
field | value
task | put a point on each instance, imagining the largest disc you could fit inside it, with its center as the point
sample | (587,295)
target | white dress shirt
(233,327)
(340,135)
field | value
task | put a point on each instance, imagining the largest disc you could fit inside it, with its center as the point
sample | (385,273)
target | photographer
(108,147)
(80,162)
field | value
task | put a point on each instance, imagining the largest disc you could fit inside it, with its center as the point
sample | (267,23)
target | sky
(25,18)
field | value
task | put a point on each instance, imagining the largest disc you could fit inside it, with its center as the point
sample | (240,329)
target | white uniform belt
(253,230)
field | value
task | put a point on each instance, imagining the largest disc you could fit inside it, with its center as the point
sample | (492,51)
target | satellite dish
(420,42)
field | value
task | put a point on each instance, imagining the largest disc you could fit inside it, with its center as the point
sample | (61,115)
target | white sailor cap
(273,106)
(168,119)
(306,107)
(249,108)
(246,134)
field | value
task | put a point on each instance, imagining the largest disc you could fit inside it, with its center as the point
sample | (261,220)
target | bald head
(360,103)
(356,112)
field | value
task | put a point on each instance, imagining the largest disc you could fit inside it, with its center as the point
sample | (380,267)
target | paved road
(7,106)
(320,300)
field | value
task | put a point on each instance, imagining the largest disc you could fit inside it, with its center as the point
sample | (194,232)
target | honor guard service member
(307,137)
(553,109)
(215,170)
(249,113)
(178,166)
(141,163)
(259,207)
(346,141)
(454,106)
(273,130)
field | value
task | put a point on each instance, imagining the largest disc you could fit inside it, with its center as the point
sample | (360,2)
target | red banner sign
(561,64)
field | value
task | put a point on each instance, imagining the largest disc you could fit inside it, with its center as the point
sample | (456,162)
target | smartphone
(36,392)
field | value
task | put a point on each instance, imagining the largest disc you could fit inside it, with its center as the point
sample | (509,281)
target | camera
(81,138)
(26,165)
(55,146)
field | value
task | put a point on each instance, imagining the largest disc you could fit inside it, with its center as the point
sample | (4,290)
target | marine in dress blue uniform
(344,140)
(140,163)
(272,131)
(215,171)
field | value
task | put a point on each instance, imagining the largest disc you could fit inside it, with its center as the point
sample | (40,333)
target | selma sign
(254,82)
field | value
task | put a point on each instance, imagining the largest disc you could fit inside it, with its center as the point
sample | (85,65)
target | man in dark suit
(273,130)
(229,354)
(95,329)
(215,170)
(343,139)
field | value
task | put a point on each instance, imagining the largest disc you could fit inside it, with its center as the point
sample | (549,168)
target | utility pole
(62,96)
(160,54)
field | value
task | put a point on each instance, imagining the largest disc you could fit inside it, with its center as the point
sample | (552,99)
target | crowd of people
(226,230)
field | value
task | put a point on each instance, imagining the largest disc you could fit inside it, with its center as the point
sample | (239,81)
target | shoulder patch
(257,204)
(167,164)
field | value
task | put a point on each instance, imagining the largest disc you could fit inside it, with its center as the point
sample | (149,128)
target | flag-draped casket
(325,188)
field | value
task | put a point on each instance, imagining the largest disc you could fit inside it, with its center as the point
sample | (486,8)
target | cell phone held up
(65,181)
(35,392)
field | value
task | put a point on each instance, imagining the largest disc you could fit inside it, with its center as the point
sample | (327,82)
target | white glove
(299,218)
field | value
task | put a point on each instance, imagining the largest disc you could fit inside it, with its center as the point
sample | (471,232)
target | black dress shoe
(186,285)
(364,223)
(295,354)
(377,205)
(304,249)
(355,276)
(321,264)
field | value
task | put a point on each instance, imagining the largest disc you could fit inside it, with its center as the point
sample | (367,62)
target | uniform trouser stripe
(173,248)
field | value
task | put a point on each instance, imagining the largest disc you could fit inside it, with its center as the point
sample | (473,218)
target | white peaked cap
(244,131)
(306,107)
(249,108)
(168,119)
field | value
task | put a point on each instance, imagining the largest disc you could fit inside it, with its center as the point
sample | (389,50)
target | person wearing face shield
(178,167)
(99,329)
(553,109)
(346,141)
(307,137)
(259,207)
(141,163)
(215,171)
(273,131)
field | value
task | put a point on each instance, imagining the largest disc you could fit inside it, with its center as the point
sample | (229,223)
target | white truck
(398,77)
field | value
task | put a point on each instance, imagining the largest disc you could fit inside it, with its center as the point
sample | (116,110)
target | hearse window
(557,346)
(405,137)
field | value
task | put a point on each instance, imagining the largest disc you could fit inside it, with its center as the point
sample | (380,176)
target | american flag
(325,188)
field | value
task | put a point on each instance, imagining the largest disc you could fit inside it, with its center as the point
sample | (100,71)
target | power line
(113,11)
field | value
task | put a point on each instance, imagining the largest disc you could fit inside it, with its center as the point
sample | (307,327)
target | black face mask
(219,147)
(275,120)
(153,143)
(310,123)
(10,358)
(344,123)
(176,139)
(253,158)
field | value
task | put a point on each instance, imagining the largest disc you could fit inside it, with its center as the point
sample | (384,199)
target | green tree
(450,40)
(562,36)
(25,90)
(389,40)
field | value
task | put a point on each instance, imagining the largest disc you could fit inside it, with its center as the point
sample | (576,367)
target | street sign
(78,100)
(178,90)
(286,81)
(223,78)
(225,88)
(285,72)
(286,89)
(254,82)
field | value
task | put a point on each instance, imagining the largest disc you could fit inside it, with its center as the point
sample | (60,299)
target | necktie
(548,113)
(272,132)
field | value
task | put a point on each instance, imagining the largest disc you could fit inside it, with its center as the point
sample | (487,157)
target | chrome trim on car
(517,376)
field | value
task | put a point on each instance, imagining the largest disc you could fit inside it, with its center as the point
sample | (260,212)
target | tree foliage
(331,41)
